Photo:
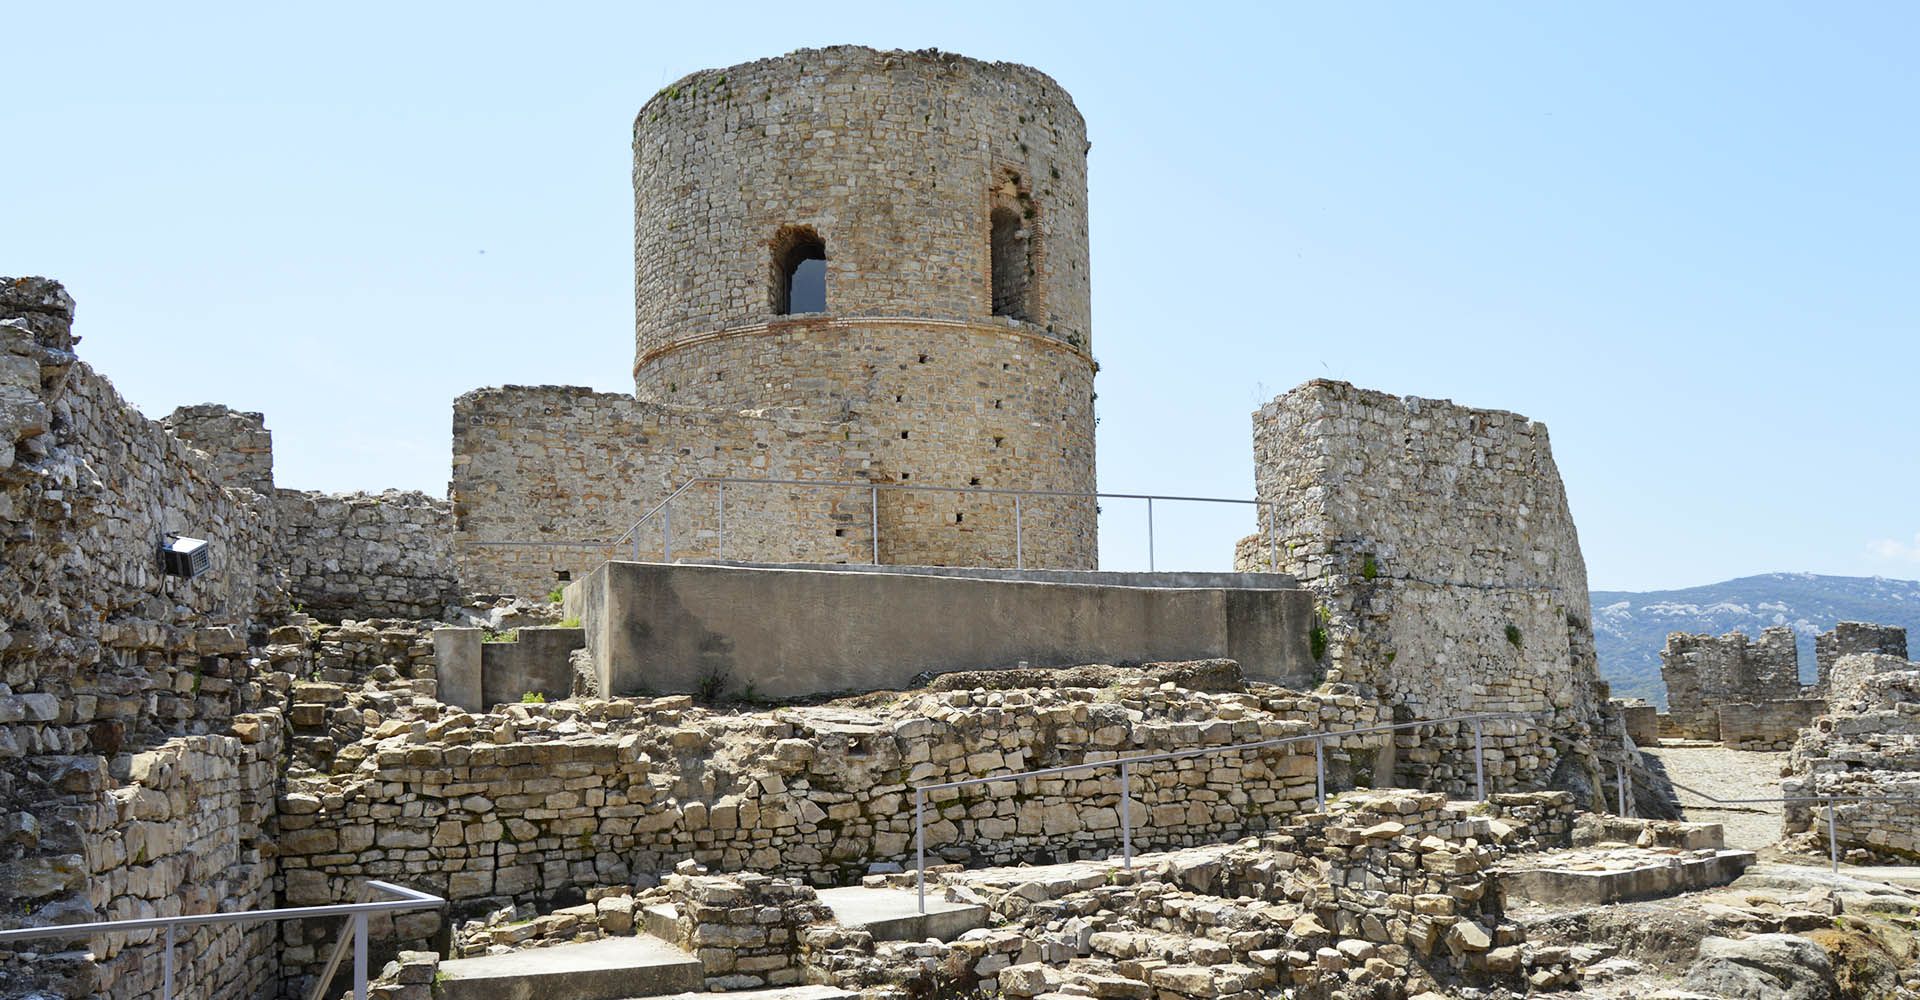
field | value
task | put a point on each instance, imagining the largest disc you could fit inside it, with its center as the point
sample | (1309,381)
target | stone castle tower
(895,242)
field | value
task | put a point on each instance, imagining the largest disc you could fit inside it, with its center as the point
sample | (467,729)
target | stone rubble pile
(1867,746)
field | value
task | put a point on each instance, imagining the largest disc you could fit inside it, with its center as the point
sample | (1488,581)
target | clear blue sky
(1682,235)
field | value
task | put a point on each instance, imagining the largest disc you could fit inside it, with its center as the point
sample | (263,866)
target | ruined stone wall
(1867,747)
(536,798)
(1766,725)
(1703,673)
(360,555)
(239,444)
(1438,540)
(102,657)
(1848,638)
(346,555)
(538,471)
(896,163)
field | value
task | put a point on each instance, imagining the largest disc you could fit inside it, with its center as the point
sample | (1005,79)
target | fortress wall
(1438,540)
(569,470)
(102,657)
(897,163)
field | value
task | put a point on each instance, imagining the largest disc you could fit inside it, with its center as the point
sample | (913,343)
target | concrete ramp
(894,914)
(607,969)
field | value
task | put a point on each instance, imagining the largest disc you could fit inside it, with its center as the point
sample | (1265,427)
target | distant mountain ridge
(1630,628)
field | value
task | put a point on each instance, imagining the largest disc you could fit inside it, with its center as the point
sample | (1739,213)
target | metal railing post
(720,547)
(1126,817)
(636,545)
(1479,762)
(1833,839)
(920,845)
(873,515)
(1319,772)
(666,534)
(1019,557)
(360,956)
(166,967)
(1273,542)
(1150,566)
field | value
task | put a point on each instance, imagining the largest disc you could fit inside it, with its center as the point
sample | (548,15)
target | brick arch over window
(1013,242)
(797,276)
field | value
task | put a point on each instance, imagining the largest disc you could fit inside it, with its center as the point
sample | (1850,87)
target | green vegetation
(573,622)
(510,635)
(554,595)
(1369,569)
(1513,636)
(533,698)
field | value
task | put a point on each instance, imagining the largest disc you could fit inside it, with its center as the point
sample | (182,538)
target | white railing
(402,899)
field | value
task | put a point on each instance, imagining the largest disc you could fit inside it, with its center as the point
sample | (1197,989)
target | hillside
(1630,628)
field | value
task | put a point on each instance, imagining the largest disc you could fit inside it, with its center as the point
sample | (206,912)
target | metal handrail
(408,899)
(663,510)
(1127,763)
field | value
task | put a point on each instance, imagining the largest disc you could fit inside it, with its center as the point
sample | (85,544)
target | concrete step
(771,993)
(608,969)
(894,914)
(1597,876)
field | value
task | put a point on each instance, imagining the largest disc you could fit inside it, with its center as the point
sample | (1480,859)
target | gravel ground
(1727,774)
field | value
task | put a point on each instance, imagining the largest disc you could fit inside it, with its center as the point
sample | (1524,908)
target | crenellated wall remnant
(1703,673)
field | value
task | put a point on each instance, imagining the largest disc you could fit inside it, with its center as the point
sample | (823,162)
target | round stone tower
(896,241)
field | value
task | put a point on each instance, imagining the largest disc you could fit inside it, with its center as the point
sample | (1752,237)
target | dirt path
(1727,774)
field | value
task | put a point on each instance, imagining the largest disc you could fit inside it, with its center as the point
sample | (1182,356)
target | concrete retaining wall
(790,633)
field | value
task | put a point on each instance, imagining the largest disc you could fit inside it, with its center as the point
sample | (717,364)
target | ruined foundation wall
(545,478)
(1440,544)
(102,659)
(817,794)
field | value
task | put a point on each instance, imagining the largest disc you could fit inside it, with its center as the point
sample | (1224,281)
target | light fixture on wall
(185,557)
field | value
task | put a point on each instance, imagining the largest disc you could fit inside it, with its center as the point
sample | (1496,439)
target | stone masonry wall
(351,555)
(1867,746)
(238,443)
(1703,672)
(895,162)
(1766,725)
(528,801)
(545,477)
(360,555)
(103,659)
(1439,543)
(1847,638)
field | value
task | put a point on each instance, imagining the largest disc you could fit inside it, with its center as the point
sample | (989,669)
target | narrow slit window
(1012,264)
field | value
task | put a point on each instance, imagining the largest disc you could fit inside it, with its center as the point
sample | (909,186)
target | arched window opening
(799,275)
(1012,261)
